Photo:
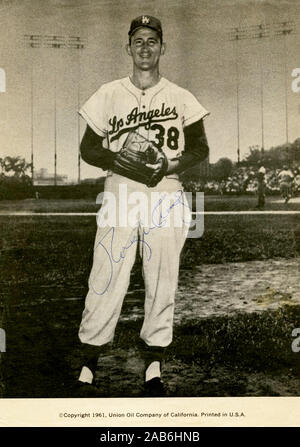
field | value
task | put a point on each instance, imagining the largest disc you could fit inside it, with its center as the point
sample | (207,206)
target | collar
(137,91)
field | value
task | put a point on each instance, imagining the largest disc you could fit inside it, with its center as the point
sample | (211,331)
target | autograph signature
(159,220)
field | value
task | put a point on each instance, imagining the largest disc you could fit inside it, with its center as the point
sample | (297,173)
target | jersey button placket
(145,103)
(143,100)
(142,108)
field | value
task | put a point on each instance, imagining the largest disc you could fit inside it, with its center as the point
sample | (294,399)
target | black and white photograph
(150,205)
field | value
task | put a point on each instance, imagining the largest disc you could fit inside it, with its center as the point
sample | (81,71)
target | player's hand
(160,169)
(156,160)
(140,160)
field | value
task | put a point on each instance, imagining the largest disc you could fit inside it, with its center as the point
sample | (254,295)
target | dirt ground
(237,304)
(211,355)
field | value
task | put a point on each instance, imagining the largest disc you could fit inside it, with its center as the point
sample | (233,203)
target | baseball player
(285,182)
(296,185)
(165,122)
(261,186)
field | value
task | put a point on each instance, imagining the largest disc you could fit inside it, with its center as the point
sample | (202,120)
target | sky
(199,57)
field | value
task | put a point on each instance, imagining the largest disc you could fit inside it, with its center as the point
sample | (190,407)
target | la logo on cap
(145,19)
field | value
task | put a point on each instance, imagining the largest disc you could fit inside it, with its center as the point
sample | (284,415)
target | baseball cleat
(154,388)
(85,389)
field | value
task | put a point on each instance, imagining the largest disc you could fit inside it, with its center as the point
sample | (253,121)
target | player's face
(145,49)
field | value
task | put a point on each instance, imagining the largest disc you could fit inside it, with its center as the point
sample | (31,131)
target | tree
(254,158)
(1,166)
(222,169)
(16,166)
(14,182)
(275,157)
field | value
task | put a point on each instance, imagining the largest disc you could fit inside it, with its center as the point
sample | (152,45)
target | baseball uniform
(160,114)
(285,182)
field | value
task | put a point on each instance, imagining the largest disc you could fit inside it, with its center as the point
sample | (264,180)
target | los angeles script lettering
(135,117)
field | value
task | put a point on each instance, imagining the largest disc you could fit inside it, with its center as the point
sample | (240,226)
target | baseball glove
(140,160)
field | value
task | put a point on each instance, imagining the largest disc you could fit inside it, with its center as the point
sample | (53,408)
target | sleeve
(94,112)
(192,110)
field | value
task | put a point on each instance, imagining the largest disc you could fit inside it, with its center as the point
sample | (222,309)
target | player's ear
(128,49)
(163,48)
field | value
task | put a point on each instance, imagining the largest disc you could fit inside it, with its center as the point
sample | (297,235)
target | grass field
(211,203)
(44,267)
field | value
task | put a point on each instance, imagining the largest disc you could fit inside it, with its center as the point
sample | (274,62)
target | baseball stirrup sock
(152,371)
(86,375)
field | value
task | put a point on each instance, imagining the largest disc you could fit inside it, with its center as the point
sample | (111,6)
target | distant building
(90,181)
(93,181)
(43,177)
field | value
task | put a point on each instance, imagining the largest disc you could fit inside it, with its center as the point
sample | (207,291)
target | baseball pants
(161,238)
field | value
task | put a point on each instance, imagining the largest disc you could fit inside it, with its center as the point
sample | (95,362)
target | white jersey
(297,180)
(285,176)
(159,113)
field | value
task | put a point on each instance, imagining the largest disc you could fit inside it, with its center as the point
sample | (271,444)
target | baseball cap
(148,21)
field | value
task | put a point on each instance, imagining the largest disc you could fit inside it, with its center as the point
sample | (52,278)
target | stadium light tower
(259,31)
(285,29)
(32,41)
(56,42)
(77,43)
(236,34)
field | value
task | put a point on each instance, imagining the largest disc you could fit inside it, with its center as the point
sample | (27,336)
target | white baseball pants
(162,236)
